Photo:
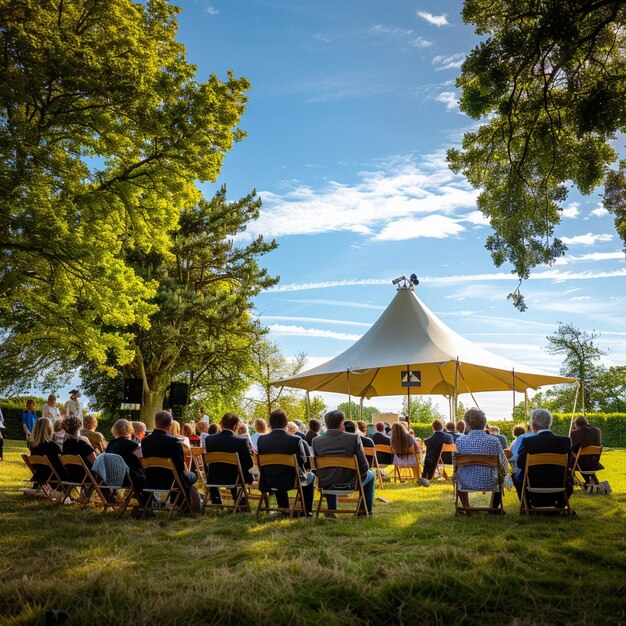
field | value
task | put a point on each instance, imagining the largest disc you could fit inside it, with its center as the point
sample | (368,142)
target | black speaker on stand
(177,398)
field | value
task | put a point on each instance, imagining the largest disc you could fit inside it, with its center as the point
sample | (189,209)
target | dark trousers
(1,443)
(282,497)
(369,486)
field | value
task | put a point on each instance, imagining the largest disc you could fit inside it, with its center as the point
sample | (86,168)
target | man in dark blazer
(282,478)
(227,441)
(433,448)
(337,442)
(584,435)
(161,444)
(544,441)
(379,437)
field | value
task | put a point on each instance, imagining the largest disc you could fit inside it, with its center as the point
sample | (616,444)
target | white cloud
(448,62)
(588,239)
(403,35)
(399,187)
(599,211)
(449,98)
(322,38)
(435,226)
(281,330)
(341,303)
(211,10)
(435,20)
(315,320)
(571,211)
(577,298)
(592,256)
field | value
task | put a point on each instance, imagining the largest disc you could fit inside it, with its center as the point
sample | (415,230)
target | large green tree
(104,133)
(549,78)
(202,331)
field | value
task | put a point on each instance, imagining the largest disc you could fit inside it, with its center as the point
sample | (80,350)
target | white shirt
(53,413)
(74,407)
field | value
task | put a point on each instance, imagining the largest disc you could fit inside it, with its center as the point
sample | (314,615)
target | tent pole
(455,395)
(308,406)
(571,422)
(349,395)
(361,409)
(526,403)
(513,372)
(582,397)
(408,393)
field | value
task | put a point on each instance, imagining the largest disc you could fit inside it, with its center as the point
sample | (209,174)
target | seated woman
(129,450)
(89,432)
(59,433)
(75,444)
(44,445)
(476,441)
(403,442)
(175,432)
(189,431)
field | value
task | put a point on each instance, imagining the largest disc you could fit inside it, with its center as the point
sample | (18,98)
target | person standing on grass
(51,410)
(29,417)
(73,407)
(336,442)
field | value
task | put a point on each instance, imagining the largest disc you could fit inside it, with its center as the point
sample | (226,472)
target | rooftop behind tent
(408,337)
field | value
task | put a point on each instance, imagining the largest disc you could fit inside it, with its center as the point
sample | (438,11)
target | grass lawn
(413,563)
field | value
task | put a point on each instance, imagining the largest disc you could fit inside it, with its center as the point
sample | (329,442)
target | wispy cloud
(449,98)
(211,10)
(599,211)
(339,303)
(399,187)
(314,320)
(435,20)
(588,239)
(281,330)
(321,37)
(404,36)
(618,255)
(449,61)
(572,210)
(552,274)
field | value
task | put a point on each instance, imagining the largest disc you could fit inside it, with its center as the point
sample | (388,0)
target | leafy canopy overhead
(549,81)
(104,132)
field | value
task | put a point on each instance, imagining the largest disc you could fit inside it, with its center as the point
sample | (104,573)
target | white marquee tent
(409,351)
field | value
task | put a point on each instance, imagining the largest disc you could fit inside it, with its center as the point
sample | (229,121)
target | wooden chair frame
(227,458)
(288,460)
(130,490)
(89,485)
(54,483)
(586,451)
(440,467)
(398,475)
(176,491)
(484,460)
(370,453)
(545,458)
(198,463)
(343,462)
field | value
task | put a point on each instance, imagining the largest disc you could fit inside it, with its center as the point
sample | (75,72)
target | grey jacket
(338,443)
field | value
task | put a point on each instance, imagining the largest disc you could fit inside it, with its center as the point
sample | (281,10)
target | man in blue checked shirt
(477,441)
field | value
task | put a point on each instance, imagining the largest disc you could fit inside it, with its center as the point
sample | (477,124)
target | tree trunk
(152,402)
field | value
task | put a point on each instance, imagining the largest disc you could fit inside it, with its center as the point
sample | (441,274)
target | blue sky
(351,110)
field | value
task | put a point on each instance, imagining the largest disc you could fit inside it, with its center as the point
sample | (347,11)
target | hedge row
(612,425)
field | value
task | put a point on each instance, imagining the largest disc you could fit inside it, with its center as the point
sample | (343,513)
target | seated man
(433,448)
(495,431)
(337,442)
(314,431)
(544,440)
(279,441)
(384,458)
(161,444)
(450,429)
(477,441)
(227,441)
(584,435)
(139,432)
(96,439)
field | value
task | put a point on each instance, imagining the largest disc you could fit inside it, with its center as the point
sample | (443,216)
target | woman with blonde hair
(44,445)
(189,431)
(175,432)
(129,450)
(405,449)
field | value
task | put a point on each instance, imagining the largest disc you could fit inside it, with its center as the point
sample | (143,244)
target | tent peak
(406,283)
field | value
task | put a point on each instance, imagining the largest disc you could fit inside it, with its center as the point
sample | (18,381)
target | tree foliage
(352,411)
(423,410)
(104,132)
(549,79)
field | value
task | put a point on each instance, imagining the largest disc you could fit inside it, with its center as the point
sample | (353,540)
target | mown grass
(413,563)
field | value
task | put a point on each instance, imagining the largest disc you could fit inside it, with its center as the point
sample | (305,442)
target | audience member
(1,436)
(282,478)
(403,444)
(460,427)
(544,440)
(51,410)
(160,443)
(29,417)
(73,407)
(43,444)
(96,439)
(519,432)
(433,448)
(76,444)
(495,431)
(130,451)
(139,431)
(189,431)
(260,429)
(292,429)
(202,428)
(451,430)
(59,433)
(365,440)
(380,437)
(584,435)
(314,431)
(228,441)
(477,441)
(336,442)
(213,429)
